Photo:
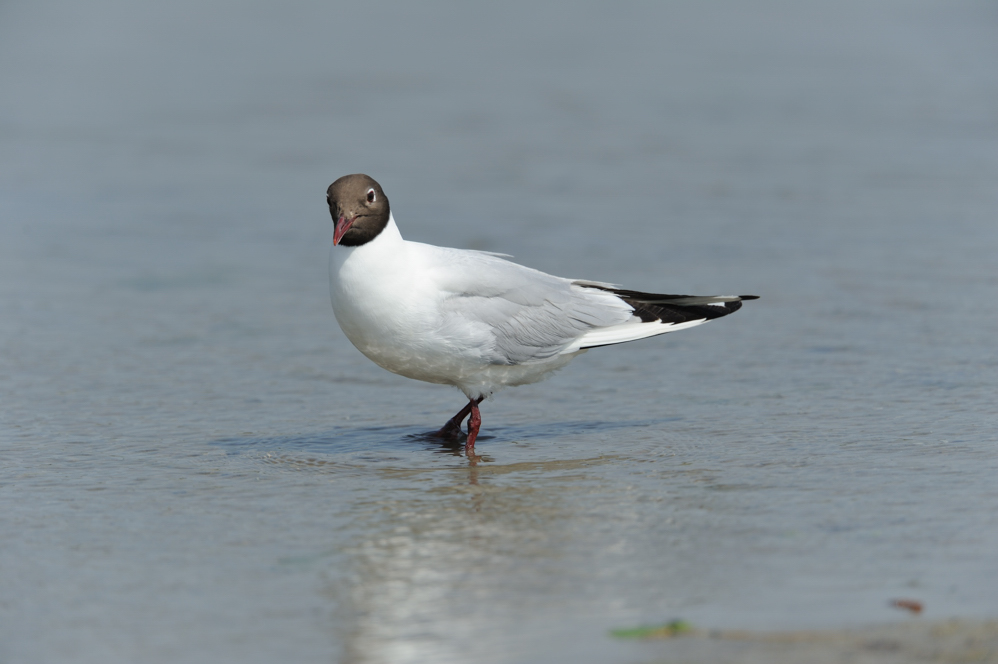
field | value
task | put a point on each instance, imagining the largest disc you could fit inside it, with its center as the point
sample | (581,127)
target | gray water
(197,466)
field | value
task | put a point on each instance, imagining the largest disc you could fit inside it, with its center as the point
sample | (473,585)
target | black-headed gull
(472,319)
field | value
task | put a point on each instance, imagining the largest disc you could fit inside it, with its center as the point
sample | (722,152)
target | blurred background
(198,466)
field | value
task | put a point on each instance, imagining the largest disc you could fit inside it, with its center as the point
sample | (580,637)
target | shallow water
(198,466)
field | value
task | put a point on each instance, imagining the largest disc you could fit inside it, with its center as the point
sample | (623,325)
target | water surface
(198,466)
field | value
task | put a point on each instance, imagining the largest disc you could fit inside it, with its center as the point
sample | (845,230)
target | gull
(473,319)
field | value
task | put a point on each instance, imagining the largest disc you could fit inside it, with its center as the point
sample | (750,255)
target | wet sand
(908,642)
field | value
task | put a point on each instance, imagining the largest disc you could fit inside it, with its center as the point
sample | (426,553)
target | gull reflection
(433,569)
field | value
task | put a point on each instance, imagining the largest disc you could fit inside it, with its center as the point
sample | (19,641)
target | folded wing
(520,315)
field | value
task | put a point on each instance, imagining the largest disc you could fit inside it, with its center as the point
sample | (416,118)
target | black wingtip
(749,297)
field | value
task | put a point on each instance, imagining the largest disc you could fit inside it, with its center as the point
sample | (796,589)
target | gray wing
(521,315)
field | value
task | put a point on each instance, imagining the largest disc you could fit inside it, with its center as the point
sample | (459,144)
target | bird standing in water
(473,319)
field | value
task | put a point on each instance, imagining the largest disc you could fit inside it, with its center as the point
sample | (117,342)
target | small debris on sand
(912,605)
(666,631)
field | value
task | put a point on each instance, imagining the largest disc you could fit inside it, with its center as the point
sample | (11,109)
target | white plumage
(468,318)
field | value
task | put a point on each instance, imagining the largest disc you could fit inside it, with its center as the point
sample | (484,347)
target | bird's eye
(371,196)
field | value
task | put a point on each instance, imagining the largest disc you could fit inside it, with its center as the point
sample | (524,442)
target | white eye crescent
(371,195)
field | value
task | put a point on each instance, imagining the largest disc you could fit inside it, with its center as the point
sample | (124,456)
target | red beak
(342,226)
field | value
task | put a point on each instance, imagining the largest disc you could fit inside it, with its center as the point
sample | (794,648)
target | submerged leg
(474,423)
(452,430)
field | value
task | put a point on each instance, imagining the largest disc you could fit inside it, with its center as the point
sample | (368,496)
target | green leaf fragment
(666,631)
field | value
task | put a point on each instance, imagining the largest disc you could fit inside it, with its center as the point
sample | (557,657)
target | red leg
(474,423)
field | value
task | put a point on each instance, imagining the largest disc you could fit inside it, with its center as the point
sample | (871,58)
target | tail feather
(678,308)
(660,313)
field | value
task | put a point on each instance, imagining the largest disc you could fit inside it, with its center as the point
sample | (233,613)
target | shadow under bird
(473,319)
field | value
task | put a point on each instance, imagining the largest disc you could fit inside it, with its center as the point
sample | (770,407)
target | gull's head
(359,209)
